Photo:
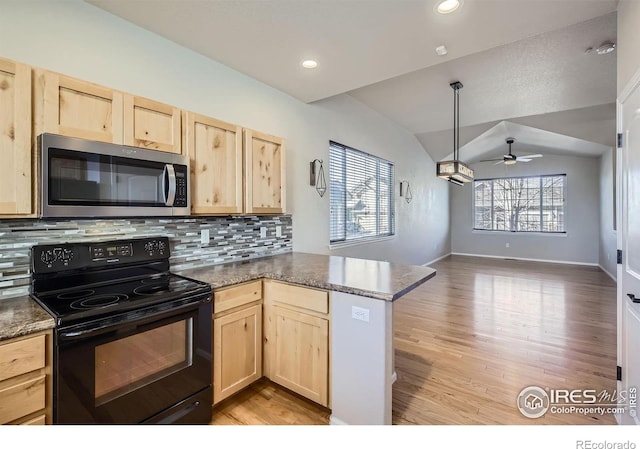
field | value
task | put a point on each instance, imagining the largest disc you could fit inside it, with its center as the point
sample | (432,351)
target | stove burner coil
(78,294)
(97,302)
(151,289)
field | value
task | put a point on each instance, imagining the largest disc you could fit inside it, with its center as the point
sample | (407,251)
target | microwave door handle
(169,181)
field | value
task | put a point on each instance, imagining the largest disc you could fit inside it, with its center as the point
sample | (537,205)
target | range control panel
(70,256)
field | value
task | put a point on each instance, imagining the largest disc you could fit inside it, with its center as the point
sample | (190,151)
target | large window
(526,204)
(360,195)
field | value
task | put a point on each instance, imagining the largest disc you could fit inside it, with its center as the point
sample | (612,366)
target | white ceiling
(519,60)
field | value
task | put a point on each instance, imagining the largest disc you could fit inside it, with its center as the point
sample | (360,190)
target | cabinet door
(237,351)
(15,138)
(215,152)
(78,108)
(265,173)
(151,125)
(297,346)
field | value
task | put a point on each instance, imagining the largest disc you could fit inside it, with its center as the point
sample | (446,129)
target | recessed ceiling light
(448,6)
(441,50)
(309,64)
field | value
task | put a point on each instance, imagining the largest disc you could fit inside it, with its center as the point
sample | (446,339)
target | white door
(629,281)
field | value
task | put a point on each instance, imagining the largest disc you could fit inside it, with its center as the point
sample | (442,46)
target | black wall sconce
(405,191)
(316,177)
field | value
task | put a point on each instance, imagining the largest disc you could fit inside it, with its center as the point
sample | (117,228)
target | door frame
(621,192)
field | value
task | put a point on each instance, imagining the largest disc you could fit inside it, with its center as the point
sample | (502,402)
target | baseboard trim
(336,421)
(566,262)
(609,274)
(435,260)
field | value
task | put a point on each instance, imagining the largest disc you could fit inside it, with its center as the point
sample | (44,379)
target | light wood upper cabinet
(15,138)
(76,108)
(264,173)
(151,125)
(215,153)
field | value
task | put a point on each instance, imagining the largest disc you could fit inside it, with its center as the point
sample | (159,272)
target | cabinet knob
(633,298)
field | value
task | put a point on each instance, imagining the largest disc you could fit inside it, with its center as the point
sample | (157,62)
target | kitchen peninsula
(360,311)
(352,299)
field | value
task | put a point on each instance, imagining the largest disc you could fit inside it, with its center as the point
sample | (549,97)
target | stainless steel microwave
(84,178)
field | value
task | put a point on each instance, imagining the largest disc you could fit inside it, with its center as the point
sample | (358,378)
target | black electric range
(132,339)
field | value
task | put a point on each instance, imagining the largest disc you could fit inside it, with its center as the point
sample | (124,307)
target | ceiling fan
(510,159)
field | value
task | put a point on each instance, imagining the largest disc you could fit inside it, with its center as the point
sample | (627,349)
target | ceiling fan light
(606,48)
(509,161)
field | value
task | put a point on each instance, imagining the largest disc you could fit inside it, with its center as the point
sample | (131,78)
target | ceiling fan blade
(499,162)
(490,160)
(531,156)
(522,159)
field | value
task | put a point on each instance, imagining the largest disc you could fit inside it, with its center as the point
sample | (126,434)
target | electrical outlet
(278,231)
(263,232)
(507,245)
(204,237)
(360,314)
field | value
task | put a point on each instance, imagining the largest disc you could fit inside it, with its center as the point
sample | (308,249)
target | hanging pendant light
(455,171)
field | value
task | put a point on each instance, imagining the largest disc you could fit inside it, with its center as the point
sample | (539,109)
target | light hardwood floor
(469,340)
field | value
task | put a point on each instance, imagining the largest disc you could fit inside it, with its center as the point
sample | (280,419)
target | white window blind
(523,204)
(360,195)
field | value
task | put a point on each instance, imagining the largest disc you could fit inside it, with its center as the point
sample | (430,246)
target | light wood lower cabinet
(237,338)
(26,380)
(296,348)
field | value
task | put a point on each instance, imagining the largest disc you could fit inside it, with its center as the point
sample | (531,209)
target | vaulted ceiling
(524,61)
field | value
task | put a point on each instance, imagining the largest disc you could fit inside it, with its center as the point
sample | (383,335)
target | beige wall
(628,44)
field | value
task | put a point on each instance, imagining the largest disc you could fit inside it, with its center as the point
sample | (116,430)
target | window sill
(364,241)
(526,234)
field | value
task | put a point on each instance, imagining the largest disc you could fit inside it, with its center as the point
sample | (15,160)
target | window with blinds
(360,195)
(523,204)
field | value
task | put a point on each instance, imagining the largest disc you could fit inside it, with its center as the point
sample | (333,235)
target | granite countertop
(371,278)
(22,316)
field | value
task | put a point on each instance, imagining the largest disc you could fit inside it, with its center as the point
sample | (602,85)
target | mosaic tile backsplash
(230,239)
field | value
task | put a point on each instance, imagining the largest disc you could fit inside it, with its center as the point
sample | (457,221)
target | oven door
(156,368)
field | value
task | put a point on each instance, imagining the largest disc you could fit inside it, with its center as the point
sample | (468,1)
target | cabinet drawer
(22,356)
(238,295)
(38,420)
(303,297)
(25,397)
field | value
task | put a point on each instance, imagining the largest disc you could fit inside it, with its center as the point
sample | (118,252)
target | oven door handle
(169,184)
(80,334)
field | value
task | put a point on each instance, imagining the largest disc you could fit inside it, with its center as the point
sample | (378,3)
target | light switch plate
(204,237)
(278,231)
(263,232)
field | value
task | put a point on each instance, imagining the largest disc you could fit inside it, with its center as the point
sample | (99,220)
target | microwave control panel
(181,186)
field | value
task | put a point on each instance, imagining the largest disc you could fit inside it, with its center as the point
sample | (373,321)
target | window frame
(541,231)
(390,223)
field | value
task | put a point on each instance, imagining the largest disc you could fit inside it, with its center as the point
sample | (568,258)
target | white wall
(77,39)
(607,244)
(579,245)
(628,45)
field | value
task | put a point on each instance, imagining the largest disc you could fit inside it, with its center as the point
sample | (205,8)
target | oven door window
(125,365)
